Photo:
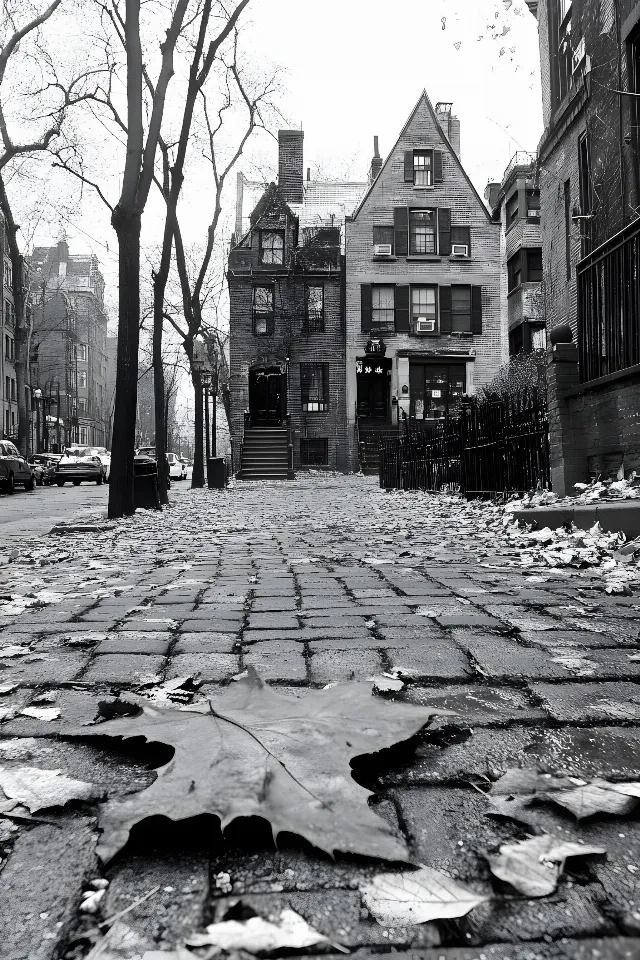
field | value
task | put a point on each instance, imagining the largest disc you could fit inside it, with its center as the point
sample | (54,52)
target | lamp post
(205,380)
(37,396)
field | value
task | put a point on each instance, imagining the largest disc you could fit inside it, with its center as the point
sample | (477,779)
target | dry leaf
(37,789)
(581,797)
(291,932)
(398,899)
(41,713)
(253,752)
(534,866)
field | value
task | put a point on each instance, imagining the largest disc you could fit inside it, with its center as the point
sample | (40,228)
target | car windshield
(10,450)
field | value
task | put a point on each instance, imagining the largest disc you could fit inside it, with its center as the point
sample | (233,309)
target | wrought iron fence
(490,448)
(609,306)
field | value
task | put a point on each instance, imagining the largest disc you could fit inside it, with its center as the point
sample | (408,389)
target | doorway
(374,376)
(267,397)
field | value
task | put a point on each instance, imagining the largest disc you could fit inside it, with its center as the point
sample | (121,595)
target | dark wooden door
(373,396)
(266,398)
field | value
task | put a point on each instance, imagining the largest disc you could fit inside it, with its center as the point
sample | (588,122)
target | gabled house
(286,321)
(423,294)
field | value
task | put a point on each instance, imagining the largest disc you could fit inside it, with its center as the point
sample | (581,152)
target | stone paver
(311,582)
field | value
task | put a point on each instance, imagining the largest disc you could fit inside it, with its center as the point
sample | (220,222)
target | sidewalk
(319,580)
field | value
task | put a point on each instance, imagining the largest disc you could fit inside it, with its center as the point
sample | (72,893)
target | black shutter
(365,307)
(445,309)
(476,309)
(444,232)
(402,308)
(401,230)
(408,166)
(437,166)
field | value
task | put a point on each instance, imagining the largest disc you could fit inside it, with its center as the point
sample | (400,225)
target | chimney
(62,255)
(491,194)
(290,165)
(308,174)
(239,199)
(450,125)
(376,162)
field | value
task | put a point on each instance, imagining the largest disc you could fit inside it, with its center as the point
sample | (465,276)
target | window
(7,273)
(7,388)
(634,87)
(82,405)
(83,435)
(9,348)
(534,266)
(423,307)
(314,383)
(314,452)
(567,226)
(513,209)
(422,232)
(82,352)
(262,310)
(384,235)
(9,313)
(533,204)
(561,47)
(82,379)
(584,170)
(461,308)
(514,271)
(383,307)
(315,309)
(272,246)
(13,390)
(538,338)
(423,168)
(435,390)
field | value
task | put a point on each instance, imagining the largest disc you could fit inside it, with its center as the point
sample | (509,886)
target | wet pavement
(320,580)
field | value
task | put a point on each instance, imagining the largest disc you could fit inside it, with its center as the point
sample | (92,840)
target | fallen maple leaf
(398,899)
(253,752)
(534,866)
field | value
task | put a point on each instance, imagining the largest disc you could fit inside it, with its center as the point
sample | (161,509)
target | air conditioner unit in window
(382,249)
(424,325)
(459,250)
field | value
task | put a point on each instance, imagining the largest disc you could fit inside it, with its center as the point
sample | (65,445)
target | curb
(624,515)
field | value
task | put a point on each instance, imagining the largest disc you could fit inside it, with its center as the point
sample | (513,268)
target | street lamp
(205,380)
(37,396)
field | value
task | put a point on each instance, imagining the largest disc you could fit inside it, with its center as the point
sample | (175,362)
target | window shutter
(402,308)
(365,311)
(408,166)
(445,309)
(476,309)
(401,230)
(444,232)
(437,166)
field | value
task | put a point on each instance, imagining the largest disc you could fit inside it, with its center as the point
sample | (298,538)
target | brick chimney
(376,162)
(290,165)
(450,125)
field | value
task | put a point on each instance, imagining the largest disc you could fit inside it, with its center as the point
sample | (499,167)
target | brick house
(8,385)
(515,203)
(590,199)
(423,294)
(286,320)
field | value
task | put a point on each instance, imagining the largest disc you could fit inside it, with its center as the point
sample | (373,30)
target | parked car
(43,466)
(14,469)
(177,469)
(151,452)
(78,467)
(105,459)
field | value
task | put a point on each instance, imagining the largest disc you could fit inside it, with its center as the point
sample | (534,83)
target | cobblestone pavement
(318,580)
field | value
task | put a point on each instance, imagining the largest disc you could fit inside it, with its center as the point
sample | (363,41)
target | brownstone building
(287,330)
(423,291)
(590,199)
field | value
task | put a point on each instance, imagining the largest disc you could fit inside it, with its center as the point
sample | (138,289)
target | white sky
(355,68)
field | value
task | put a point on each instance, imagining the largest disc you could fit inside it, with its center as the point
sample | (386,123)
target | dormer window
(272,247)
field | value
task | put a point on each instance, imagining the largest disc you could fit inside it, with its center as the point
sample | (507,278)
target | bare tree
(51,104)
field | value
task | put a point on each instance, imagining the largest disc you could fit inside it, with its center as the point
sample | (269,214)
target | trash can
(145,483)
(216,474)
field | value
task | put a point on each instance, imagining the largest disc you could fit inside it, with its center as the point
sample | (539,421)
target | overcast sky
(355,68)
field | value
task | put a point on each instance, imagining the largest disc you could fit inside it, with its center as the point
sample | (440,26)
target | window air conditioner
(424,325)
(459,250)
(382,249)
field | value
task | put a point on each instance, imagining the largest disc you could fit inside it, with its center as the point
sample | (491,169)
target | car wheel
(99,481)
(60,483)
(11,483)
(76,483)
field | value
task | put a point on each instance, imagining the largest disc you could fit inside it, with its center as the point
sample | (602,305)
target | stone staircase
(265,454)
(370,434)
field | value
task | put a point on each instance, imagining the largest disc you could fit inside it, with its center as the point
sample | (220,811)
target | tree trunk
(159,285)
(197,478)
(121,494)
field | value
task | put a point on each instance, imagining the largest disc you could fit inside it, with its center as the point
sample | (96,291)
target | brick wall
(482,269)
(311,264)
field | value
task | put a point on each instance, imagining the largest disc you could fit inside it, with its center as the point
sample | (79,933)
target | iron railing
(609,306)
(490,448)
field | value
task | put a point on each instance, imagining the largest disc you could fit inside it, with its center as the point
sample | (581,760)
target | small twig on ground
(132,906)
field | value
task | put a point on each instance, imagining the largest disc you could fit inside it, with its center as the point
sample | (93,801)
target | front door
(267,397)
(373,376)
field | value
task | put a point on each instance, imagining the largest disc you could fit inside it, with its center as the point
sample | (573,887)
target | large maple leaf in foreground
(253,752)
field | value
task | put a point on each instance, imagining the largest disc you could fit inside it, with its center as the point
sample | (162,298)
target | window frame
(82,352)
(513,273)
(269,316)
(82,375)
(414,316)
(428,169)
(389,325)
(304,456)
(314,324)
(263,249)
(456,290)
(512,216)
(322,403)
(413,211)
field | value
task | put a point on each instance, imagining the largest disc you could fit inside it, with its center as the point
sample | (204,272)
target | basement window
(314,452)
(314,387)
